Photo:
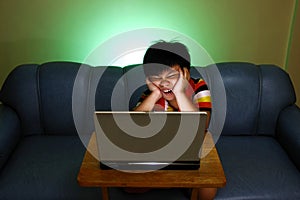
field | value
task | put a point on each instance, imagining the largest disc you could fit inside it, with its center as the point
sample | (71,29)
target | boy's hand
(149,102)
(153,88)
(181,83)
(184,103)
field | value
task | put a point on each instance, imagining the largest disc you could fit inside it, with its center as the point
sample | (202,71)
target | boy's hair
(162,55)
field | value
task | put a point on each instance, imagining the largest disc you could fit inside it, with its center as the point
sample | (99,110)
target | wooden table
(210,174)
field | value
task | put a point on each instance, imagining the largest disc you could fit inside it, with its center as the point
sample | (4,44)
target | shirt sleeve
(144,95)
(159,105)
(202,97)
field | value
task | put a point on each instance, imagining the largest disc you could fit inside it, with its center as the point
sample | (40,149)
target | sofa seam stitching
(126,88)
(259,100)
(39,99)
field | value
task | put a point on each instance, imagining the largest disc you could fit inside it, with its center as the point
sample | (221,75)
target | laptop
(129,140)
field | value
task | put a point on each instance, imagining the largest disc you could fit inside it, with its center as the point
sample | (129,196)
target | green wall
(293,61)
(37,31)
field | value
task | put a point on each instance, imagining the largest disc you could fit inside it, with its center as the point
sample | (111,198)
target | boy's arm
(184,103)
(207,119)
(149,102)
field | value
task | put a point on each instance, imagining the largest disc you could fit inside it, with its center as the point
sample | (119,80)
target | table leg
(105,195)
(194,195)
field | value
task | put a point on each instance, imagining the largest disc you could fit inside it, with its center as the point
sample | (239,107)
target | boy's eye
(154,78)
(157,78)
(172,76)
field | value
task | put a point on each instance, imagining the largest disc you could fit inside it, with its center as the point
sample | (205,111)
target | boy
(170,87)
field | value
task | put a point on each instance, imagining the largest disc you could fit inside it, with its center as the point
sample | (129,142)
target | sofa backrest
(255,96)
(19,91)
(42,95)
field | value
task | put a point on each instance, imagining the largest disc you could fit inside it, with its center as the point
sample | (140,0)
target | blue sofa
(41,152)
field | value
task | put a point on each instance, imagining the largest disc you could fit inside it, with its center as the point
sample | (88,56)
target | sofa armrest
(288,132)
(10,131)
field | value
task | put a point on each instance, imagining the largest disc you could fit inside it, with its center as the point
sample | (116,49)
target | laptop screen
(143,140)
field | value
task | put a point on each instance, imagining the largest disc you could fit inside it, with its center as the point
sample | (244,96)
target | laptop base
(177,165)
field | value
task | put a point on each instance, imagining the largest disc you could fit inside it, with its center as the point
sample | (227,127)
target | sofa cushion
(254,97)
(242,86)
(277,93)
(19,91)
(56,81)
(256,167)
(111,90)
(288,132)
(10,133)
(45,167)
(135,83)
(50,172)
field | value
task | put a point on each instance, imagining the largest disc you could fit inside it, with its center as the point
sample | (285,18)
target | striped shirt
(198,92)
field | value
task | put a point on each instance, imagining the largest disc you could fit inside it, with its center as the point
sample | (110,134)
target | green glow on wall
(128,15)
(291,35)
(222,27)
(37,31)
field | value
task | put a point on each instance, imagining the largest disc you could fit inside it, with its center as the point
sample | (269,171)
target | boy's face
(167,79)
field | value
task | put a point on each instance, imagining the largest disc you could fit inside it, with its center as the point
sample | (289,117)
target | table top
(210,174)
